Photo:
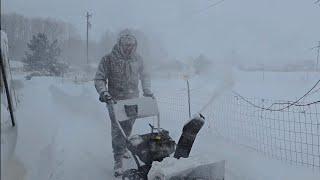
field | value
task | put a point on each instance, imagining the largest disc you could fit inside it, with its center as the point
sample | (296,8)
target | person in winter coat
(117,78)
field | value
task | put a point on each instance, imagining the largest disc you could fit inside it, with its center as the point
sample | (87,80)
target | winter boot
(118,171)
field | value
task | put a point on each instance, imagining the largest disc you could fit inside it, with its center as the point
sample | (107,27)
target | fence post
(188,86)
(186,77)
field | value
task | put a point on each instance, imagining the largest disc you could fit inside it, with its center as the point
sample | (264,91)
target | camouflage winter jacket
(120,76)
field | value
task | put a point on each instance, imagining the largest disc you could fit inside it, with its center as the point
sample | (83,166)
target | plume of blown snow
(225,83)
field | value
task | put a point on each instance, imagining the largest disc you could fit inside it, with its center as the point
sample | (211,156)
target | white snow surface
(64,131)
(172,167)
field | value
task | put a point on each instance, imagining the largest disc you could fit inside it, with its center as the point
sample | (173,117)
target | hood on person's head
(127,43)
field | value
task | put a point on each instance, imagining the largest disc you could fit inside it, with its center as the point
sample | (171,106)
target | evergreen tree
(43,56)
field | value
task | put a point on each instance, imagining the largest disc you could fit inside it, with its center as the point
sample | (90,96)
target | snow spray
(226,83)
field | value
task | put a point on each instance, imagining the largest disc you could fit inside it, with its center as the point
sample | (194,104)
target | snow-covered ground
(64,131)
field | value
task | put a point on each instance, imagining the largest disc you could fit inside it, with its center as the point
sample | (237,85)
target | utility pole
(263,69)
(318,54)
(88,16)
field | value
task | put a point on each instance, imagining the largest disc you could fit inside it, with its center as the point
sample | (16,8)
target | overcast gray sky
(256,30)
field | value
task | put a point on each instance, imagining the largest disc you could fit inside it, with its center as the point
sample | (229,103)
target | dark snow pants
(118,141)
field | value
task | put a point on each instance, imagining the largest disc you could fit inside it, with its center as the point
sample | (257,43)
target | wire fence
(285,130)
(291,134)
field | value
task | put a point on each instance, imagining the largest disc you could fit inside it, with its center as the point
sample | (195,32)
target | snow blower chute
(152,148)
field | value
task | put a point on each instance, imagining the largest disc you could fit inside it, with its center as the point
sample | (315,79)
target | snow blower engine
(156,145)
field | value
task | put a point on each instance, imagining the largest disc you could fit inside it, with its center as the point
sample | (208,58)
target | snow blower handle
(136,108)
(113,118)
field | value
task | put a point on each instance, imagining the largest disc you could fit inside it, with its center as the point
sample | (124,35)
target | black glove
(107,98)
(148,94)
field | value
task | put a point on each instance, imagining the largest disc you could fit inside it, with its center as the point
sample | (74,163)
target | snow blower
(154,147)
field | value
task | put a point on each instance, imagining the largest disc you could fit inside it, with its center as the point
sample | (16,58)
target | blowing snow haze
(264,31)
(248,66)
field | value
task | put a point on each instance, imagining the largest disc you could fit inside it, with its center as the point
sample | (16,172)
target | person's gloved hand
(148,94)
(106,97)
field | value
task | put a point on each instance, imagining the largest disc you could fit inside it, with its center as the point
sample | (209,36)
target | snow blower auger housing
(154,146)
